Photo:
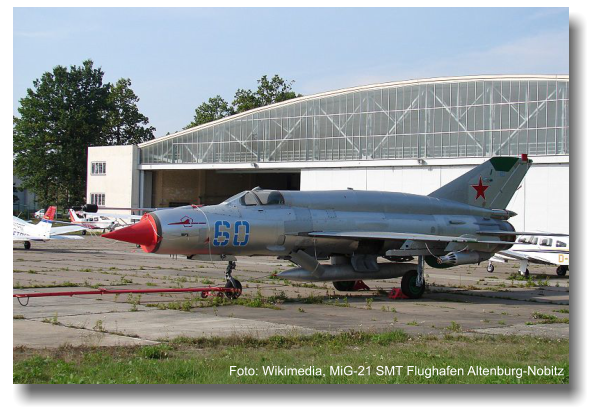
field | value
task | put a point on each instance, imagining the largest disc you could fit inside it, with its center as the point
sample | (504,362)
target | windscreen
(235,197)
(262,198)
(269,198)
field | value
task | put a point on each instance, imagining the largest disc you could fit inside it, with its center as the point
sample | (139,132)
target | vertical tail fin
(44,227)
(73,216)
(490,185)
(49,214)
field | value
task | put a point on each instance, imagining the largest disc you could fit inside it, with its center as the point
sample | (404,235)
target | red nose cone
(143,233)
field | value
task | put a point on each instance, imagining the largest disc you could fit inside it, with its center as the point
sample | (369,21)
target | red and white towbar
(229,292)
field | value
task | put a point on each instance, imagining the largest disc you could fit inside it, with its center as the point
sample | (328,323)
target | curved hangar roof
(431,118)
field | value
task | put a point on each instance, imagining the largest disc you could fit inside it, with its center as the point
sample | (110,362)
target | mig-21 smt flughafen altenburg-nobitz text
(463,222)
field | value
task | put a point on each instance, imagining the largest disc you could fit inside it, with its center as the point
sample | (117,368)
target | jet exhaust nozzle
(459,258)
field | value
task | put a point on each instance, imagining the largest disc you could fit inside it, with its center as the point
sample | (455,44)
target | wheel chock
(360,285)
(396,293)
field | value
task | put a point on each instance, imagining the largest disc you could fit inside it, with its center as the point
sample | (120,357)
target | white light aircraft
(42,231)
(88,215)
(537,248)
(104,221)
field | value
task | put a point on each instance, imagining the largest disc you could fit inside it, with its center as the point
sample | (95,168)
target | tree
(125,124)
(60,116)
(15,190)
(64,113)
(215,109)
(268,92)
(245,100)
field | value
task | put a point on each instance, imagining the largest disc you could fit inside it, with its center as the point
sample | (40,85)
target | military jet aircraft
(463,222)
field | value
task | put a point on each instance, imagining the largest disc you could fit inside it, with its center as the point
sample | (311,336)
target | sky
(177,58)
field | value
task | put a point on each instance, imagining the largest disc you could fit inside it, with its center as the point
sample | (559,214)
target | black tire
(235,284)
(27,245)
(525,274)
(561,270)
(490,268)
(408,285)
(344,286)
(84,232)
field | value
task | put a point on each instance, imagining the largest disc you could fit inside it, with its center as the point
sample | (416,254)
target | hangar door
(172,188)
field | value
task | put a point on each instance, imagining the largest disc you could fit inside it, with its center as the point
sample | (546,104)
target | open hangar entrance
(179,187)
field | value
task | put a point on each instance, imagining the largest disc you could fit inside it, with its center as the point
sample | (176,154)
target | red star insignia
(480,189)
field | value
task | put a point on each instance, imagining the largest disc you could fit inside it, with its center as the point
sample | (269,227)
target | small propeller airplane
(537,248)
(89,215)
(463,222)
(43,231)
(105,221)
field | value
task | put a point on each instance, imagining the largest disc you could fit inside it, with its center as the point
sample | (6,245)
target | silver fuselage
(235,228)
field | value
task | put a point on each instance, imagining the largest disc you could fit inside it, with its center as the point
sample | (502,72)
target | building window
(97,198)
(98,168)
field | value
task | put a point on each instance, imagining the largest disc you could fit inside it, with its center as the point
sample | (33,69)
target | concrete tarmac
(465,299)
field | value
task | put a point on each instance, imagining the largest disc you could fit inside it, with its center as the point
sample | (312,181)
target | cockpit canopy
(258,197)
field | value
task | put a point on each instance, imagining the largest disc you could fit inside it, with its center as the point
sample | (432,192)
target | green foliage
(15,198)
(455,327)
(215,109)
(124,123)
(154,352)
(67,111)
(268,92)
(208,359)
(549,319)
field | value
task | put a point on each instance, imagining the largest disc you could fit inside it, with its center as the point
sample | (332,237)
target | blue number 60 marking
(221,237)
(246,233)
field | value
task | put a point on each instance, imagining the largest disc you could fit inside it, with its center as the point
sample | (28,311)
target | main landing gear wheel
(235,284)
(490,268)
(344,286)
(26,244)
(561,270)
(525,273)
(232,282)
(409,285)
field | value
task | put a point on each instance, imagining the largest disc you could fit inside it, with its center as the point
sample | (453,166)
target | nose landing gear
(232,282)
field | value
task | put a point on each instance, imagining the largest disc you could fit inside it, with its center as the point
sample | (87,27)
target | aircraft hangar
(410,136)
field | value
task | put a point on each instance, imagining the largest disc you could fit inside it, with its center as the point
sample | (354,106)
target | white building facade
(411,136)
